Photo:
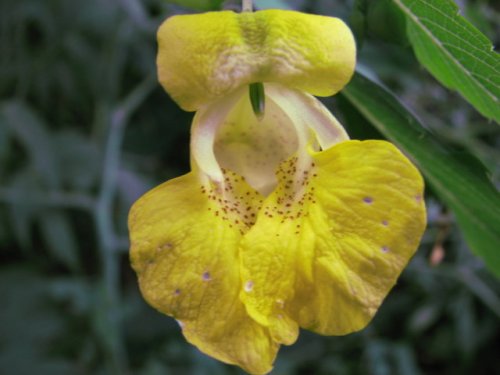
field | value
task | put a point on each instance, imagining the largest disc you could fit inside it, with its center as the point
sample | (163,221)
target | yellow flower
(283,222)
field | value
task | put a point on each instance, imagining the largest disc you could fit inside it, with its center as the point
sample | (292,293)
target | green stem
(257,99)
(104,219)
(247,6)
(51,199)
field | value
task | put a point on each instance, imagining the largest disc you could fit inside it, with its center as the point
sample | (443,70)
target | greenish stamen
(258,99)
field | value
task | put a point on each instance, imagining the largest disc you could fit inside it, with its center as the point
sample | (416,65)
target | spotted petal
(184,248)
(325,258)
(203,57)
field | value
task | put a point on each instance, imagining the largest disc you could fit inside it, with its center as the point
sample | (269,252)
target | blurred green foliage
(457,177)
(85,130)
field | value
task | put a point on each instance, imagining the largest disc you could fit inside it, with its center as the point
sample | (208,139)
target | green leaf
(32,133)
(458,178)
(23,184)
(201,5)
(384,21)
(455,52)
(404,358)
(4,140)
(59,237)
(78,159)
(357,21)
(31,327)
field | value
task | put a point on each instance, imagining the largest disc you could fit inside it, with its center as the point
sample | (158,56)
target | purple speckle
(206,276)
(385,223)
(177,292)
(248,286)
(385,249)
(418,198)
(368,200)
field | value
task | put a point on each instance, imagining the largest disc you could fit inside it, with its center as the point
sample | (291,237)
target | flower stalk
(247,6)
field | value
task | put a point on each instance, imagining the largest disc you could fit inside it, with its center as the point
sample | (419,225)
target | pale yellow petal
(327,256)
(310,112)
(184,248)
(205,56)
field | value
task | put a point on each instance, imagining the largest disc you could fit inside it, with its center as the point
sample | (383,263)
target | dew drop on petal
(248,286)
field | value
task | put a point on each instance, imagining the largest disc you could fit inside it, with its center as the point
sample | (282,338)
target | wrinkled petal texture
(202,57)
(325,259)
(241,272)
(184,248)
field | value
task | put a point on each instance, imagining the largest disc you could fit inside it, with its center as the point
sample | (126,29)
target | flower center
(227,135)
(255,148)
